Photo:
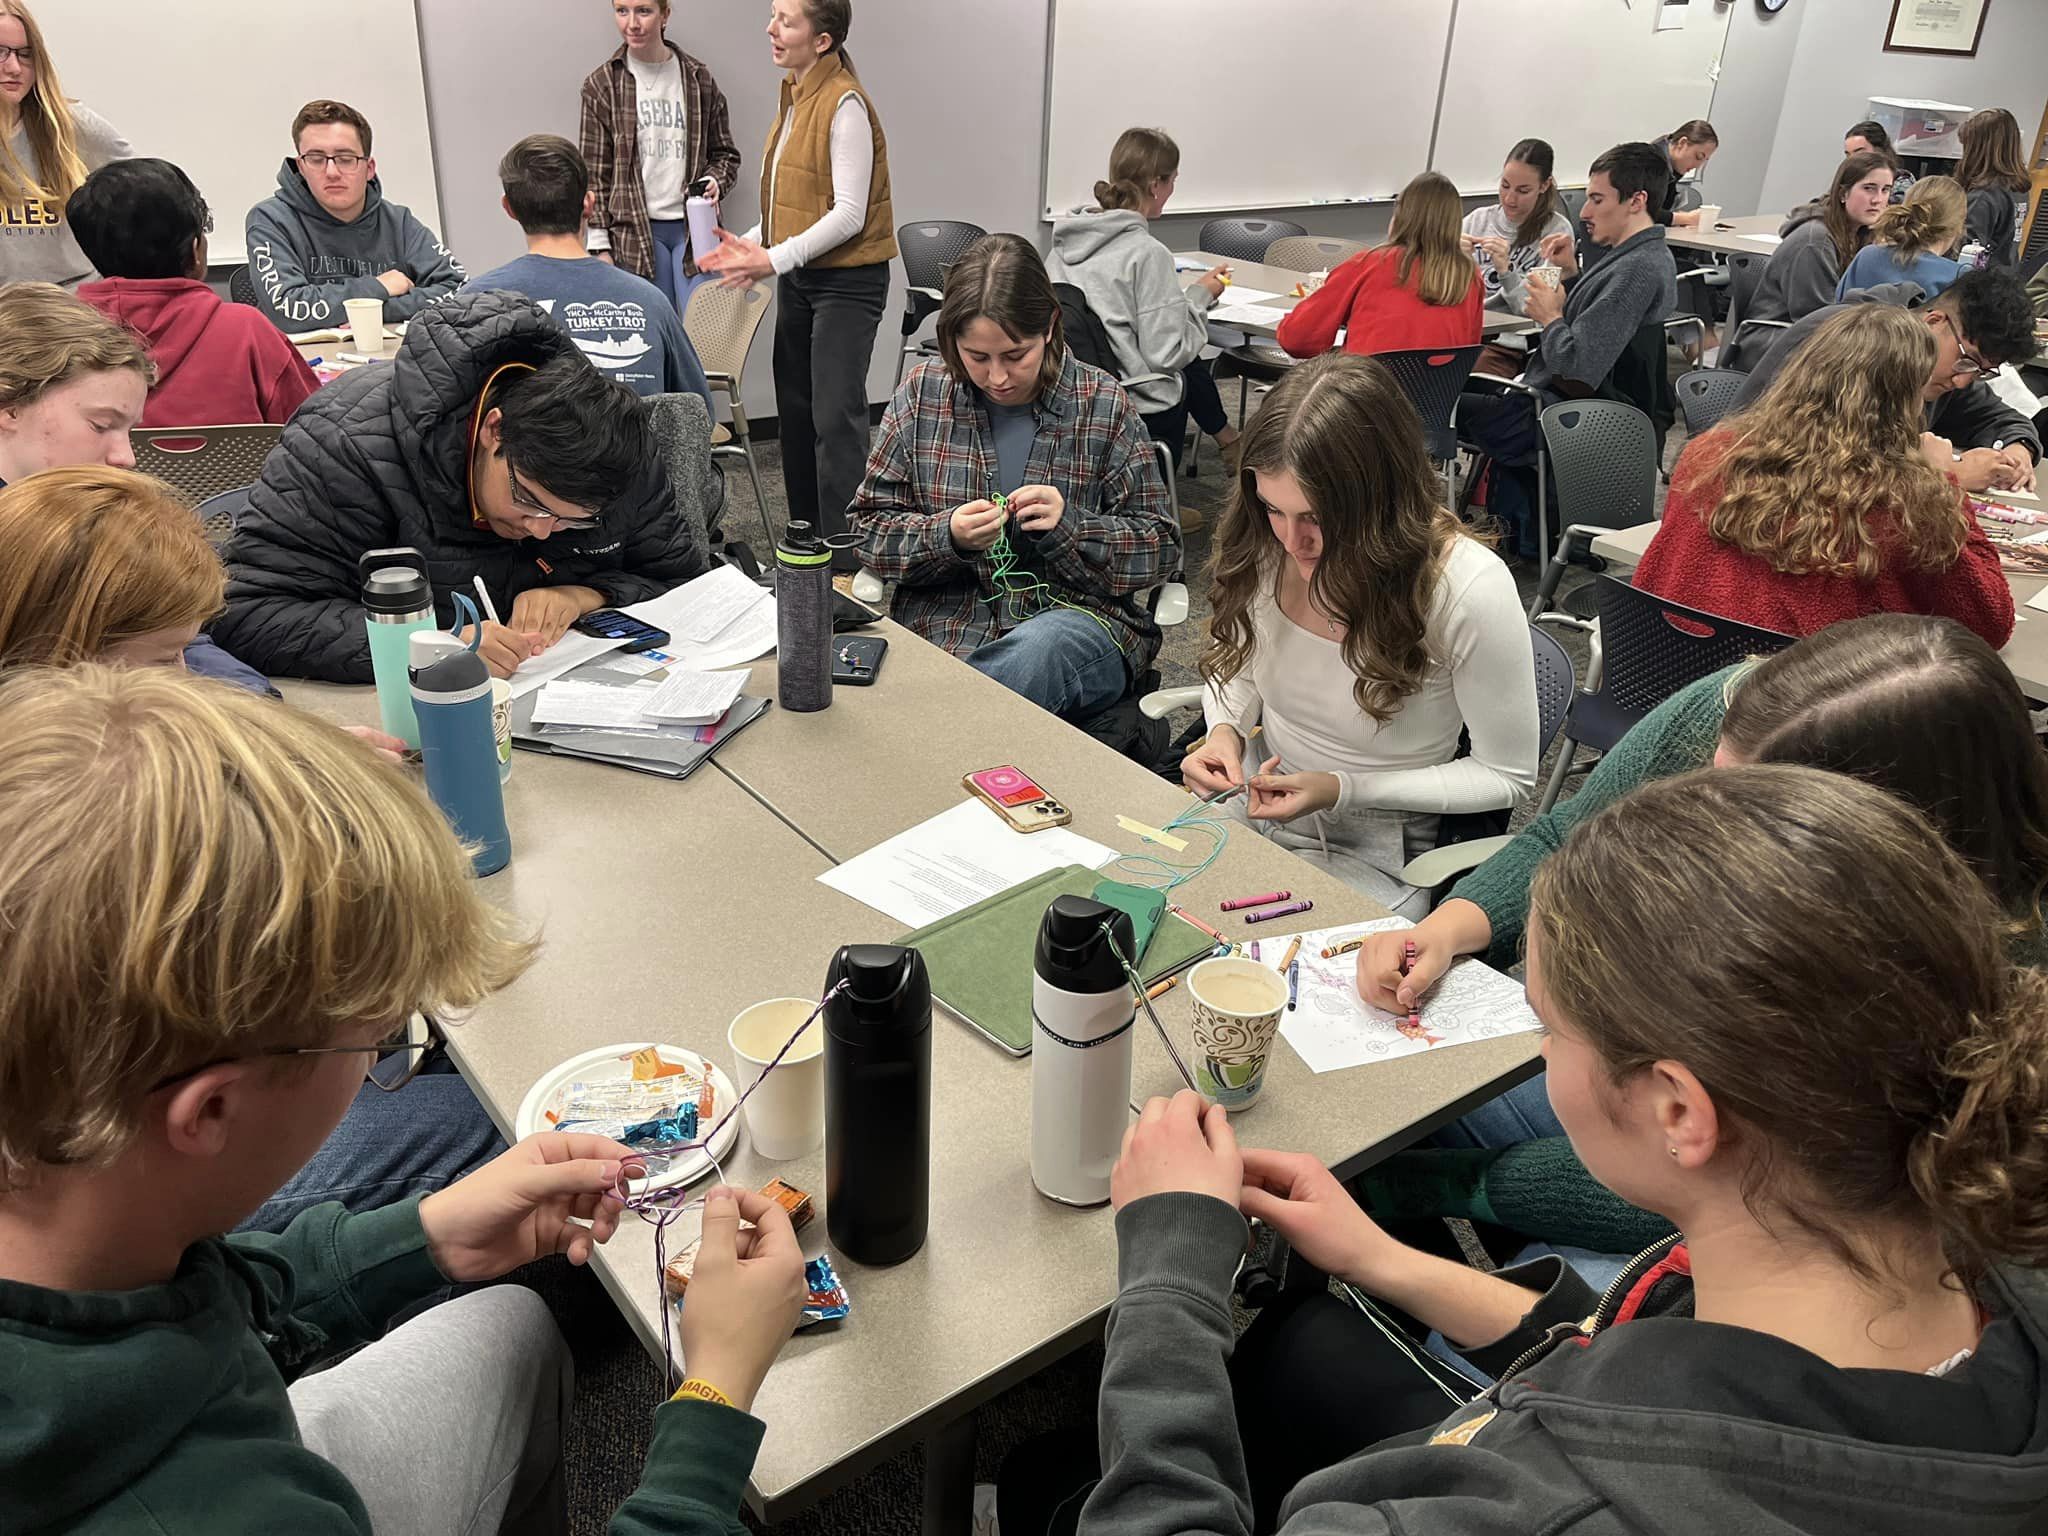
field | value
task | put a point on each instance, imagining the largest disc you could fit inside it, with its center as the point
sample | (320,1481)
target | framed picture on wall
(1936,26)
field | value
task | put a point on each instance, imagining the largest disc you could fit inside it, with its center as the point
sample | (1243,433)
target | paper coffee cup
(1236,1006)
(786,1114)
(366,323)
(1710,215)
(501,725)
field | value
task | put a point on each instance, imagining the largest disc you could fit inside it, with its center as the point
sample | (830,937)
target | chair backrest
(198,462)
(1705,394)
(682,426)
(1555,681)
(1432,378)
(1574,200)
(931,247)
(721,323)
(1308,253)
(1603,456)
(1245,239)
(241,286)
(1086,335)
(1745,272)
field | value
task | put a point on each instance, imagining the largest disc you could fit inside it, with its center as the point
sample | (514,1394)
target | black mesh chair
(241,286)
(1245,239)
(1432,379)
(1649,648)
(1705,395)
(1574,200)
(927,250)
(1248,240)
(201,462)
(1603,458)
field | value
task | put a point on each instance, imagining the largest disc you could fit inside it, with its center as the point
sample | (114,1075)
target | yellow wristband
(697,1387)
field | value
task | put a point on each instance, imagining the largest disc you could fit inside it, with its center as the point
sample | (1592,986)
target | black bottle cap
(1073,953)
(890,992)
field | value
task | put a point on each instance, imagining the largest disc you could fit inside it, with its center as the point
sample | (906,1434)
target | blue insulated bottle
(451,698)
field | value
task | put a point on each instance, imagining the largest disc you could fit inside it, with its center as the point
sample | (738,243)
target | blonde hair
(49,337)
(191,874)
(1929,221)
(94,557)
(1831,447)
(1427,220)
(1141,158)
(52,131)
(1873,1060)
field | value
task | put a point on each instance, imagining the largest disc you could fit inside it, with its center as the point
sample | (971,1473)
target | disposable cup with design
(786,1112)
(1547,276)
(501,725)
(1236,1006)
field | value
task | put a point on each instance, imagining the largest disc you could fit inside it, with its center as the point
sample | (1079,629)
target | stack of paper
(567,702)
(721,619)
(693,698)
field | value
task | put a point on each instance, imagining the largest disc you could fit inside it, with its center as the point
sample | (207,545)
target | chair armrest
(1707,271)
(1514,384)
(1565,620)
(1442,865)
(867,587)
(1168,602)
(725,383)
(1162,702)
(931,293)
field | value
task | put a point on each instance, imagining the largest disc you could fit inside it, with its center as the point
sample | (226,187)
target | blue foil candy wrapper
(670,1131)
(826,1301)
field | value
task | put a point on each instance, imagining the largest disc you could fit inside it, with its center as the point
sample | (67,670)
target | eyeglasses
(398,1062)
(1966,366)
(531,509)
(27,56)
(317,161)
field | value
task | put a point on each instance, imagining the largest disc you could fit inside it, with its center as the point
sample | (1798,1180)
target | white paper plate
(608,1062)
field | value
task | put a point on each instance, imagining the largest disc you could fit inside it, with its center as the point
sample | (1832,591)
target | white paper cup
(1710,215)
(501,725)
(786,1115)
(366,323)
(1237,1006)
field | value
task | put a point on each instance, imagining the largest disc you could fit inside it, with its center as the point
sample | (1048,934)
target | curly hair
(1341,426)
(1832,446)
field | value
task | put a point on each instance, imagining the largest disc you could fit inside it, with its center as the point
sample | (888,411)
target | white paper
(571,703)
(750,635)
(711,602)
(1764,239)
(1331,1029)
(2039,601)
(1237,296)
(1247,314)
(955,859)
(694,698)
(572,650)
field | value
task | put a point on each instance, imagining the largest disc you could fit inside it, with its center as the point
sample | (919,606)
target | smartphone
(857,659)
(1012,795)
(610,624)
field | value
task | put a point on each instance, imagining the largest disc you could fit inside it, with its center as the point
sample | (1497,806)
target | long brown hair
(1002,278)
(1141,158)
(1992,156)
(52,131)
(1929,221)
(1341,426)
(49,337)
(1849,236)
(1427,221)
(1831,446)
(1542,159)
(96,556)
(1873,1060)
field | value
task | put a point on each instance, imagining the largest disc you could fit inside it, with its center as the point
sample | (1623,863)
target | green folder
(979,959)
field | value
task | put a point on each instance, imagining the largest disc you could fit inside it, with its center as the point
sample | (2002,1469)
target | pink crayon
(1254,901)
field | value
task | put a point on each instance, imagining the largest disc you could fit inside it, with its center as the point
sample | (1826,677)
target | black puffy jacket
(380,458)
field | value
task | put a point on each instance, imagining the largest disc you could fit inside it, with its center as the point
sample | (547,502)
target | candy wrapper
(791,1199)
(652,1113)
(825,1299)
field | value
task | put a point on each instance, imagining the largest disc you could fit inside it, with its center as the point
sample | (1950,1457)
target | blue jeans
(388,1147)
(671,252)
(1062,661)
(1521,1114)
(1199,399)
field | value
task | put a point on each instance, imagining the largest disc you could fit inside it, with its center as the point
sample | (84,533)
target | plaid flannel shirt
(1117,537)
(610,135)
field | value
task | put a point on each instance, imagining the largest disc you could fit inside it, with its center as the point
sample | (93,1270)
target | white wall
(1748,101)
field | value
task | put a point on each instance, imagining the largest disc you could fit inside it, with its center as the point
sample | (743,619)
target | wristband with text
(697,1387)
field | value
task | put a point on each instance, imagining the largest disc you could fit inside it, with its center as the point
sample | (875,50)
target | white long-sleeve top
(853,175)
(1482,677)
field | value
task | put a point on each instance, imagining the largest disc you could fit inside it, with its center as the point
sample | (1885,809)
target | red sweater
(1365,299)
(1689,565)
(217,364)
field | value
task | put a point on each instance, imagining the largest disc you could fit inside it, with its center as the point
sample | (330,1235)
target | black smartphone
(857,658)
(610,624)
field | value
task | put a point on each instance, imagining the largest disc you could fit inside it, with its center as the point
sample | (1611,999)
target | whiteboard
(1284,103)
(1584,74)
(213,86)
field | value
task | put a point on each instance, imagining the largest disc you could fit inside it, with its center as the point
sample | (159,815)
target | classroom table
(1281,280)
(328,353)
(1730,237)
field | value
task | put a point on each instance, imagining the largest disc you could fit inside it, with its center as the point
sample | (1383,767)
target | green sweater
(163,1410)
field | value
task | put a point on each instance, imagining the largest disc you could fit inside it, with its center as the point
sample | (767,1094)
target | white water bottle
(1081,1034)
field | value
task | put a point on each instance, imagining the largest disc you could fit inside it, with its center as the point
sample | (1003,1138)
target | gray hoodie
(36,243)
(306,262)
(1130,283)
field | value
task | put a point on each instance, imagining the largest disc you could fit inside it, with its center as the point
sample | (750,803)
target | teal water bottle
(451,698)
(398,602)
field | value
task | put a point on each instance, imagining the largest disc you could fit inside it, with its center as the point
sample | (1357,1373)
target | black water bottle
(803,619)
(878,1103)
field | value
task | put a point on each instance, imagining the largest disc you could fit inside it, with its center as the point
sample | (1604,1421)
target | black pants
(1312,1383)
(1198,398)
(825,325)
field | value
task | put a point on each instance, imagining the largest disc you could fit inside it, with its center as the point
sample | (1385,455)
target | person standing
(827,231)
(1993,171)
(654,126)
(49,144)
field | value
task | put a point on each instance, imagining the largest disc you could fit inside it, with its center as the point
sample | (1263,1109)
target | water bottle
(1973,256)
(878,1103)
(803,619)
(398,602)
(1081,1018)
(451,697)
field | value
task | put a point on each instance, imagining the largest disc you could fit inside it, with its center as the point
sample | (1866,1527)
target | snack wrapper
(825,1298)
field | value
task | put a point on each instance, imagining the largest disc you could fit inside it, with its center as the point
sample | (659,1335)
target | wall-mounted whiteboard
(1281,103)
(213,85)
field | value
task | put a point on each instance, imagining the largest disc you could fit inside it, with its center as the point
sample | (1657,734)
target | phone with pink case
(1013,795)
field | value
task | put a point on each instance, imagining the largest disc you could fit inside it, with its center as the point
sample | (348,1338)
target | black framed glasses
(398,1061)
(530,508)
(1966,366)
(318,160)
(25,54)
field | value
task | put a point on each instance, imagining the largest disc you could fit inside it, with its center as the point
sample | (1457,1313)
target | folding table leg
(949,1478)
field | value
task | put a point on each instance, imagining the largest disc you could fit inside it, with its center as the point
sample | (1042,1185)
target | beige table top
(1729,236)
(328,353)
(885,757)
(1281,280)
(2026,652)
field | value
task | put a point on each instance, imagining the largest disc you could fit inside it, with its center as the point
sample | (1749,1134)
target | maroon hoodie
(217,364)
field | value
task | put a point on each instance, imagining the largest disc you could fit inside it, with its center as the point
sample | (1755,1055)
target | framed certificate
(1936,26)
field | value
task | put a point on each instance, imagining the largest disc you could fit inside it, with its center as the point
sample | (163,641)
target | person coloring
(1506,237)
(1819,241)
(1912,242)
(1993,171)
(49,144)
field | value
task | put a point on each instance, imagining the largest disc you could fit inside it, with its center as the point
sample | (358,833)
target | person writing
(204,943)
(1358,623)
(1822,501)
(1912,242)
(654,127)
(1419,289)
(329,236)
(1686,150)
(1820,240)
(49,144)
(1993,172)
(492,447)
(1014,498)
(1506,237)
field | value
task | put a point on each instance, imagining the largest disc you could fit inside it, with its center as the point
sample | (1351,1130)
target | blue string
(1148,867)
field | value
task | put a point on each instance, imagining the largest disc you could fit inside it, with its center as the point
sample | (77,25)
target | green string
(1016,588)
